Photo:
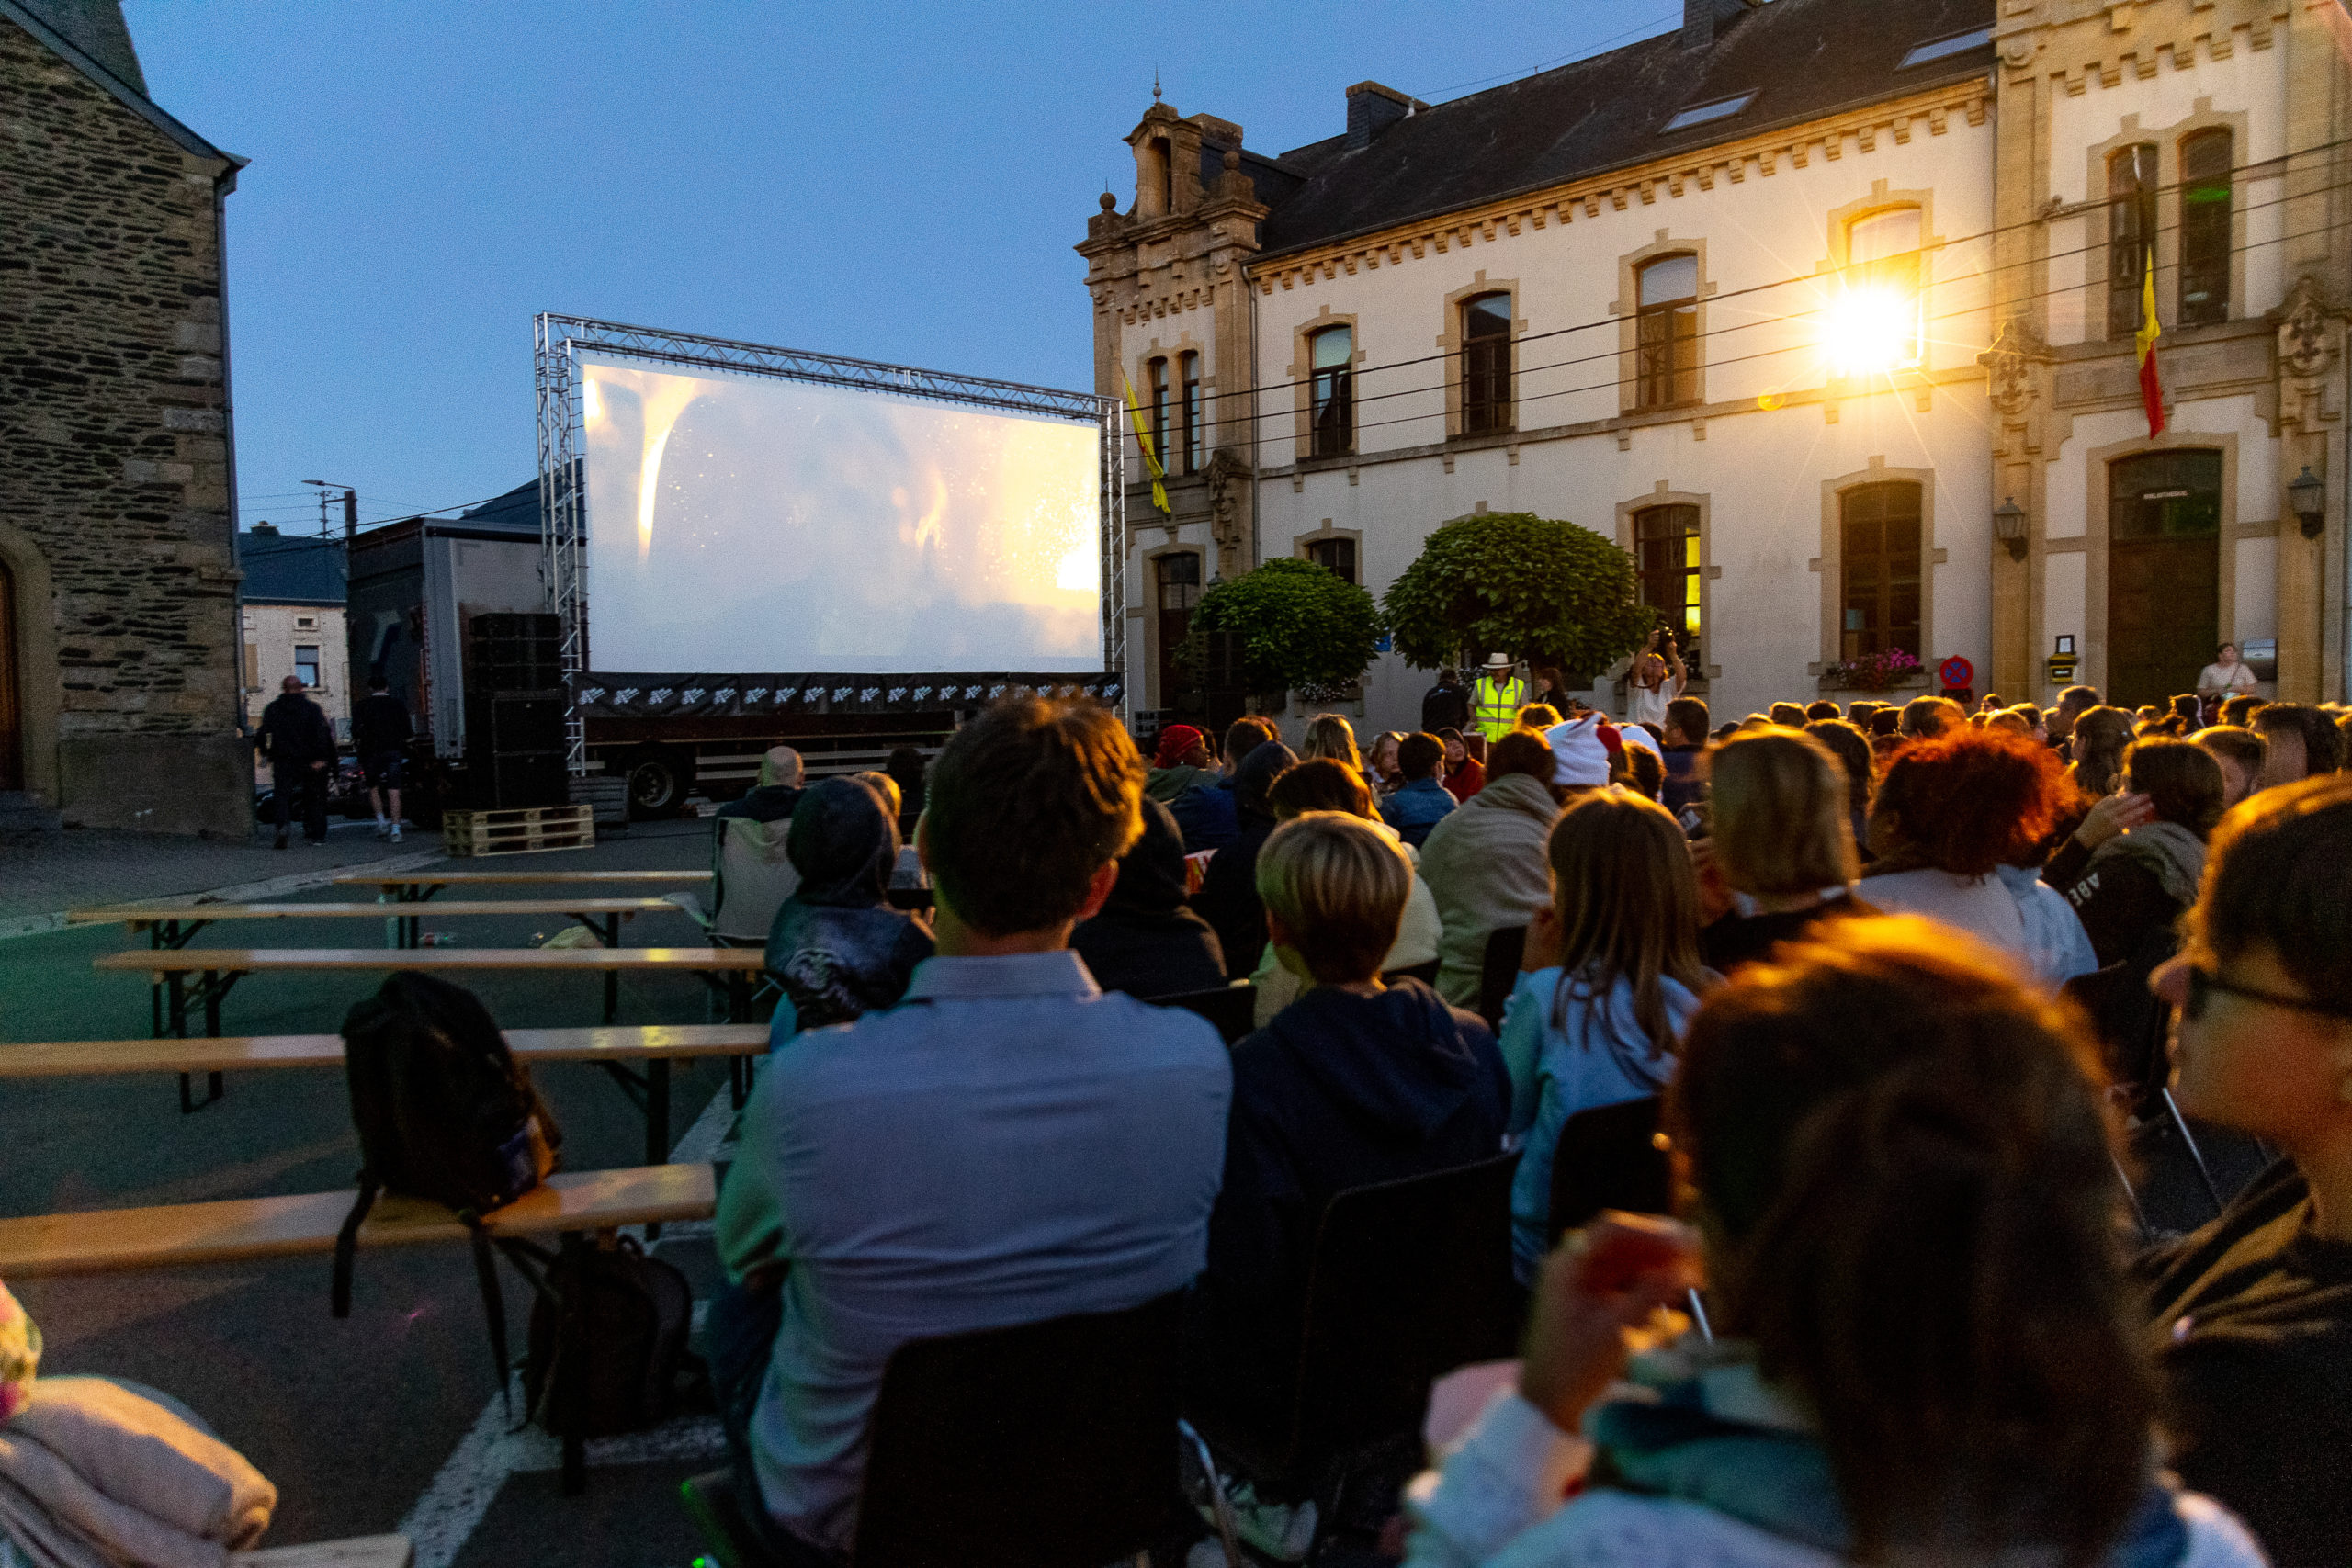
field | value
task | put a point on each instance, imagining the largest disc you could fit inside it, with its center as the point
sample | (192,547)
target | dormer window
(1945,47)
(1700,114)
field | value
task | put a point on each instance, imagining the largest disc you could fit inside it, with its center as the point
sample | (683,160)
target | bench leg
(612,996)
(738,1069)
(657,1111)
(212,989)
(189,1103)
(570,1345)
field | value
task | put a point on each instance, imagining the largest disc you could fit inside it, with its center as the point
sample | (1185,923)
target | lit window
(1157,371)
(306,665)
(1666,332)
(2205,228)
(1700,114)
(1944,47)
(1330,394)
(1337,556)
(1875,324)
(1486,364)
(1666,569)
(1879,567)
(2131,230)
(1190,365)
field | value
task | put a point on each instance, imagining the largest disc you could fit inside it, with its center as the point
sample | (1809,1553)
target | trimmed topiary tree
(1297,626)
(1534,587)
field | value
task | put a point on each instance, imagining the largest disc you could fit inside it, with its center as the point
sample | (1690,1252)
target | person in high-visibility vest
(1495,698)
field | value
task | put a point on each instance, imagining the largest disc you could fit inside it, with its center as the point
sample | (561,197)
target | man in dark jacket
(300,743)
(1228,896)
(1445,705)
(1350,1084)
(380,733)
(1147,941)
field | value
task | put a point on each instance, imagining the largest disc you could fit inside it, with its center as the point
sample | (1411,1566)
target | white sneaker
(396,833)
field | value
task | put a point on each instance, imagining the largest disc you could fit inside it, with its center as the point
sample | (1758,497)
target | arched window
(1667,568)
(1486,364)
(2130,233)
(1157,371)
(1666,332)
(1330,394)
(2204,228)
(1878,561)
(1882,277)
(1190,366)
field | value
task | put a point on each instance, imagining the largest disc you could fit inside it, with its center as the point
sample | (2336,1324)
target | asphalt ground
(386,1419)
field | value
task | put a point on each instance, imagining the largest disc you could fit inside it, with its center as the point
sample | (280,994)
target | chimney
(1703,21)
(1373,108)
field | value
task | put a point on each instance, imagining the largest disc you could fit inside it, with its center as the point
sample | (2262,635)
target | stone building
(1823,309)
(292,603)
(119,638)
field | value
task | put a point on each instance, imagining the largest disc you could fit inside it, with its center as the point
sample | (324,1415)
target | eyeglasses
(2203,984)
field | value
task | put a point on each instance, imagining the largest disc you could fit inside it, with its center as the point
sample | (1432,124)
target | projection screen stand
(558,339)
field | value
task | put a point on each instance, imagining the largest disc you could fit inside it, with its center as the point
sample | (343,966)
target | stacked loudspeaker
(514,703)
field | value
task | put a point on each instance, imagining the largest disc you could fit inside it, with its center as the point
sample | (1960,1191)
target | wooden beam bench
(417,887)
(572,1205)
(652,1047)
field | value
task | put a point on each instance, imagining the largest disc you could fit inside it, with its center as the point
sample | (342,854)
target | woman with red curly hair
(1958,826)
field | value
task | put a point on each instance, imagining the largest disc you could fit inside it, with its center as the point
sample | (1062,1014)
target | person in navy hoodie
(1353,1084)
(1419,806)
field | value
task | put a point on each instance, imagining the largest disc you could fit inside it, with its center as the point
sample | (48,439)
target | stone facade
(1990,135)
(116,472)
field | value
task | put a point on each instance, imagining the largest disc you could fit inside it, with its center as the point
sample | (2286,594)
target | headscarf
(1253,781)
(19,1355)
(1174,741)
(843,843)
(1151,874)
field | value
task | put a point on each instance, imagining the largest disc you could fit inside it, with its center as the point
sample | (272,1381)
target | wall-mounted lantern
(2008,527)
(2307,498)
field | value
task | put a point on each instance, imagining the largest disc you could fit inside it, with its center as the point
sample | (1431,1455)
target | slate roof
(73,29)
(1803,59)
(290,569)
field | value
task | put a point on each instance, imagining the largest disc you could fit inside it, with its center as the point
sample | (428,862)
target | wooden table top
(249,959)
(137,914)
(104,1240)
(660,1041)
(464,879)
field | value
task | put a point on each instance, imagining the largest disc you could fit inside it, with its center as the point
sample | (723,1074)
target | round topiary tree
(1295,623)
(1536,587)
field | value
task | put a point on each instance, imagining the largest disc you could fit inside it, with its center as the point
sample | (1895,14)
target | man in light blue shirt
(1007,1145)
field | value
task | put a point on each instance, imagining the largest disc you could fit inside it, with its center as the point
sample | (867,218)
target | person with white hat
(1585,751)
(1495,698)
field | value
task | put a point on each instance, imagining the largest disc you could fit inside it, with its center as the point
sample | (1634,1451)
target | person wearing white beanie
(1584,751)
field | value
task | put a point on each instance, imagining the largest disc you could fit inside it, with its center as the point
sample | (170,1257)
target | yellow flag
(1150,459)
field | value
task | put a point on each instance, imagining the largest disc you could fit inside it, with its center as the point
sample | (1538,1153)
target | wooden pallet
(531,830)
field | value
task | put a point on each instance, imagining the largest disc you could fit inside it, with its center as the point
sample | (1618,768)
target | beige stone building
(119,701)
(1823,309)
(292,604)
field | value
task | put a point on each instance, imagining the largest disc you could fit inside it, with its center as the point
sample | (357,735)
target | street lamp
(2307,498)
(2008,527)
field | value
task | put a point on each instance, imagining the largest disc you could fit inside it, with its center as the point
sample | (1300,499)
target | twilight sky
(894,182)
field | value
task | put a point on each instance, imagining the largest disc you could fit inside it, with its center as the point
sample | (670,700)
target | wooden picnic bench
(572,1205)
(652,1047)
(418,886)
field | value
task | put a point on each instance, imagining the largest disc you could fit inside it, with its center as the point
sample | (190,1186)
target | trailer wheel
(659,781)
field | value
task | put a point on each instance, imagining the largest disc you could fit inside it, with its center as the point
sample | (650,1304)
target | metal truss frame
(558,339)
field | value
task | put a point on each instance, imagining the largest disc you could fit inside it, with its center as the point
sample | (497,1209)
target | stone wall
(114,454)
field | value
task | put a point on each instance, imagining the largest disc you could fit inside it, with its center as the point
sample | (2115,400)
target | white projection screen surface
(749,524)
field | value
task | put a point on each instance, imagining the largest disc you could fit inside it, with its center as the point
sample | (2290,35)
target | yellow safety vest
(1495,709)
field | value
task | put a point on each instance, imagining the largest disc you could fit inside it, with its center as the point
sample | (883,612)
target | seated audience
(1381,769)
(1537,716)
(1788,716)
(1958,827)
(1485,863)
(1846,742)
(1228,895)
(1326,785)
(1648,767)
(836,948)
(1354,1083)
(1609,979)
(2240,710)
(1923,1352)
(1464,775)
(1421,801)
(2250,1318)
(1181,762)
(2241,752)
(907,769)
(1021,1147)
(2132,867)
(1204,812)
(1886,722)
(906,873)
(1924,718)
(2189,711)
(1783,842)
(2100,737)
(1816,712)
(1147,941)
(1330,735)
(750,872)
(1684,744)
(2303,742)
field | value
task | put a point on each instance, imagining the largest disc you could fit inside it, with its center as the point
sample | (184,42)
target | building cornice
(131,98)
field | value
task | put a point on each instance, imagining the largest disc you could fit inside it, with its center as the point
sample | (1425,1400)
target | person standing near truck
(380,733)
(300,743)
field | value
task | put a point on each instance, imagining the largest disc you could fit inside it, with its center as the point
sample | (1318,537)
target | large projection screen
(747,525)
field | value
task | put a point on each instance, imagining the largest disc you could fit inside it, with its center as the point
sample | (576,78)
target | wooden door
(2163,574)
(12,722)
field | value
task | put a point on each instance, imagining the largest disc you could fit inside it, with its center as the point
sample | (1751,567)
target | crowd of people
(1886,983)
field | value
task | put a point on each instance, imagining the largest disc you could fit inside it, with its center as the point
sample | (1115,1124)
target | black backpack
(633,1369)
(444,1112)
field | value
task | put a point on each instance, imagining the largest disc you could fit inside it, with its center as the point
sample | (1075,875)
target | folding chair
(1609,1159)
(1410,1280)
(1499,972)
(1233,1008)
(1045,1445)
